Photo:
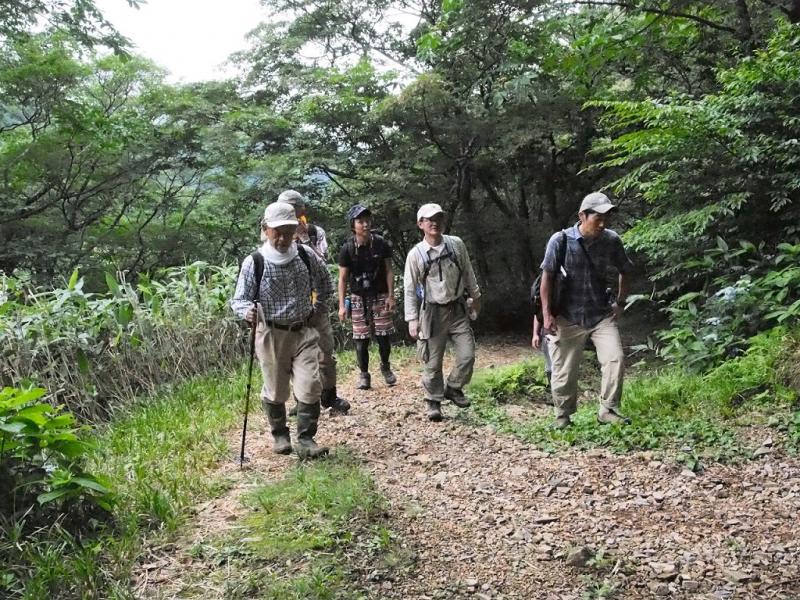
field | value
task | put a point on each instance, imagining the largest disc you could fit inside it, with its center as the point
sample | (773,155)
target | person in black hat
(365,264)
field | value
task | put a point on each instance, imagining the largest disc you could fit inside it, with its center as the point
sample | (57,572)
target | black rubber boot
(276,415)
(389,377)
(329,399)
(307,418)
(364,381)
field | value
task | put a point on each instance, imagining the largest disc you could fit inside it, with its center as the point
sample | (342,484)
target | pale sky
(190,38)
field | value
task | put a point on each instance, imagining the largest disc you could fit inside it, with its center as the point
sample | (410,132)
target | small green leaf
(73,280)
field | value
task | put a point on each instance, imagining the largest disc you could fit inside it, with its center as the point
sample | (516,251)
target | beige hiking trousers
(566,350)
(445,322)
(288,357)
(321,321)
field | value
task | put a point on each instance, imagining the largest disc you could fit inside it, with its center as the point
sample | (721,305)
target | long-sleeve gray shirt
(442,284)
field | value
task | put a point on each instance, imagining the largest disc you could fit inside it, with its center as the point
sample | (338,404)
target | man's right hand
(342,314)
(413,328)
(549,324)
(250,315)
(536,341)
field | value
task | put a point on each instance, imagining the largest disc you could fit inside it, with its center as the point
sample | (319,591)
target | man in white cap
(438,275)
(585,308)
(281,276)
(313,236)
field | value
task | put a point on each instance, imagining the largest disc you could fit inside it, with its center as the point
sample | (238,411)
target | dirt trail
(489,517)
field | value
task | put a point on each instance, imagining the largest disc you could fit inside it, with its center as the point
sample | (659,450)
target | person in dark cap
(586,309)
(365,265)
(313,237)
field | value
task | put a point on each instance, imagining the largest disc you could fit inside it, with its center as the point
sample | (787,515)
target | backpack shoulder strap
(303,253)
(562,251)
(312,233)
(258,265)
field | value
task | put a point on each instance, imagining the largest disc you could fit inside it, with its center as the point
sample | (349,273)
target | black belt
(445,303)
(295,326)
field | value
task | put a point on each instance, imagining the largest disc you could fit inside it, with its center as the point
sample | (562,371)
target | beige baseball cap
(279,214)
(598,202)
(426,211)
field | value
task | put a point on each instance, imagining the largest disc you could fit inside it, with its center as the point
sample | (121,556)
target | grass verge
(698,416)
(302,538)
(158,458)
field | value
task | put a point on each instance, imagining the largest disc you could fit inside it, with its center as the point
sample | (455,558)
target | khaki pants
(566,351)
(443,323)
(288,356)
(321,321)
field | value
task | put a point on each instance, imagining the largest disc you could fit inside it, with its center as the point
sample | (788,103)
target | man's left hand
(390,303)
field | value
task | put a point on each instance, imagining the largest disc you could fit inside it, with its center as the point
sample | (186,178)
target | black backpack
(536,291)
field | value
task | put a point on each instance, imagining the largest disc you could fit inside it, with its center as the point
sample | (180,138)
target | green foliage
(158,457)
(42,460)
(96,351)
(754,291)
(671,410)
(716,168)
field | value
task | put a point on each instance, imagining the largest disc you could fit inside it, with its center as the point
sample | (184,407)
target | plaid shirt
(585,302)
(285,293)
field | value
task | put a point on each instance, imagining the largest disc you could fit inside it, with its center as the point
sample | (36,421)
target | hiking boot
(561,423)
(276,415)
(456,396)
(364,381)
(307,418)
(329,399)
(388,376)
(609,416)
(434,410)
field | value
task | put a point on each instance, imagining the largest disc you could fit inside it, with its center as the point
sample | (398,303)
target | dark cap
(356,211)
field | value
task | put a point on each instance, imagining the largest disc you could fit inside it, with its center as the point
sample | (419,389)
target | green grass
(401,355)
(158,458)
(302,537)
(670,409)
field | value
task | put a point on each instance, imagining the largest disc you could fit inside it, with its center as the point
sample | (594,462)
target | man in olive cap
(313,236)
(283,278)
(586,309)
(438,272)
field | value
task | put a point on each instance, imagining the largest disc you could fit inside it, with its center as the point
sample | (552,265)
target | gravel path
(486,516)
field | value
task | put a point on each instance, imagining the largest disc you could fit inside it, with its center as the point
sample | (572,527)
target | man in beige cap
(313,236)
(438,272)
(282,276)
(586,308)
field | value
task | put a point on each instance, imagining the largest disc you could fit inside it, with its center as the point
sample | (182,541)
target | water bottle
(348,307)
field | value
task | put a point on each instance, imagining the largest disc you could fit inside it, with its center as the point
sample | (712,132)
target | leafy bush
(42,458)
(754,294)
(96,352)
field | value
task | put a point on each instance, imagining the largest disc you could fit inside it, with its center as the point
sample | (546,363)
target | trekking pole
(242,458)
